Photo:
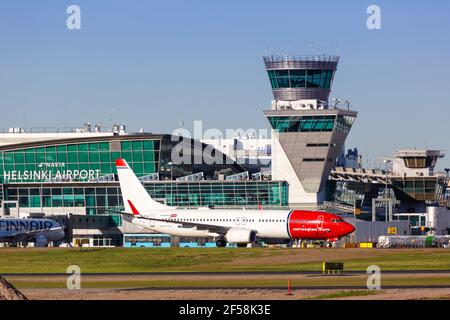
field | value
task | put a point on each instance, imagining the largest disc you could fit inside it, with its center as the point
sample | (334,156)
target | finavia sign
(51,165)
(47,173)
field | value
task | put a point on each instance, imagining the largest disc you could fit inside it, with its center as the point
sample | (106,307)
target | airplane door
(238,221)
(244,221)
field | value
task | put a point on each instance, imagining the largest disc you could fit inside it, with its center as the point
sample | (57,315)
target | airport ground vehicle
(158,240)
(143,240)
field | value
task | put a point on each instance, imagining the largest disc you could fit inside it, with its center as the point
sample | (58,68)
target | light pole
(386,161)
(170,164)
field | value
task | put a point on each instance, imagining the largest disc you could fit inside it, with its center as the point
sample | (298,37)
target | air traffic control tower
(308,132)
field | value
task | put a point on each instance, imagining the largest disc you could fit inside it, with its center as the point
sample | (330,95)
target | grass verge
(108,260)
(345,294)
(337,282)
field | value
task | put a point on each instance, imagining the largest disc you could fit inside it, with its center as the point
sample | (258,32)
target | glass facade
(418,162)
(88,160)
(70,174)
(97,197)
(311,123)
(77,161)
(300,78)
(112,240)
(420,188)
(344,123)
(230,193)
(193,157)
(407,194)
(348,193)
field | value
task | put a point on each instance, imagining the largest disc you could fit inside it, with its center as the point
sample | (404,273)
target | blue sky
(153,64)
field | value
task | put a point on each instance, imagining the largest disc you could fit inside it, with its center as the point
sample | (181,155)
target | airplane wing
(31,233)
(184,224)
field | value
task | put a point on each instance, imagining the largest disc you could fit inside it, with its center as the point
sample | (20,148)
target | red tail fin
(133,208)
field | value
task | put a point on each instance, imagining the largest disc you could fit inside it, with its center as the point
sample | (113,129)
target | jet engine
(240,235)
(40,241)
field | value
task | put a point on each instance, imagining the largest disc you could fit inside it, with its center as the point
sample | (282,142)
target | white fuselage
(266,223)
(232,225)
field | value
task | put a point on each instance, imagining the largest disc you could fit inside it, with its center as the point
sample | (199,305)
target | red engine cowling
(308,225)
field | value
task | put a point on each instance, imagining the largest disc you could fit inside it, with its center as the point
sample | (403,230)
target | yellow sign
(392,230)
(332,266)
(80,242)
(357,211)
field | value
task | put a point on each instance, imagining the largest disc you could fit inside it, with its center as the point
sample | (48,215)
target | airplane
(236,226)
(39,231)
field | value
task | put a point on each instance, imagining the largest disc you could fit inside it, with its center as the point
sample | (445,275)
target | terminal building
(409,188)
(78,175)
(70,174)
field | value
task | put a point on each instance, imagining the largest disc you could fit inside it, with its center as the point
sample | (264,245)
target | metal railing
(308,58)
(42,130)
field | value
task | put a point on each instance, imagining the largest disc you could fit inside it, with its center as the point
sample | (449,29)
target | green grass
(56,260)
(388,260)
(344,294)
(116,259)
(229,282)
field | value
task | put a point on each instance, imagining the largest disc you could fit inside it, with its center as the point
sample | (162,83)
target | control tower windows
(344,123)
(279,78)
(418,162)
(326,79)
(300,78)
(303,124)
(313,78)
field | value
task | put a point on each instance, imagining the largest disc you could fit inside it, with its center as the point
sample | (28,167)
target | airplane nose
(349,228)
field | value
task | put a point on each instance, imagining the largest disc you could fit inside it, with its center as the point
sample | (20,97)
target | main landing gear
(221,243)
